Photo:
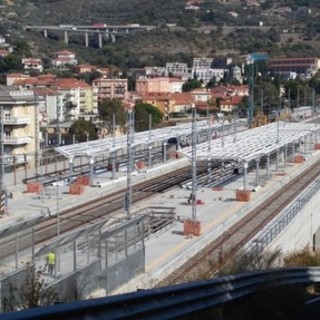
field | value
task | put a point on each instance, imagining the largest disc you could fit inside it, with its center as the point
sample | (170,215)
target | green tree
(107,109)
(82,128)
(11,63)
(191,84)
(141,115)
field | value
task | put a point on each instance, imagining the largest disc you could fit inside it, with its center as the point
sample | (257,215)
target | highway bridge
(104,31)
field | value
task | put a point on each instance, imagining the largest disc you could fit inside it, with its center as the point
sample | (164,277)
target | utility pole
(250,63)
(2,191)
(194,162)
(130,137)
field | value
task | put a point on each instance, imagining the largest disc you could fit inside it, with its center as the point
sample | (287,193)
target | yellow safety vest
(51,258)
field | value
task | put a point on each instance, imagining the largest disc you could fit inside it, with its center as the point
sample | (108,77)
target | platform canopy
(254,143)
(109,145)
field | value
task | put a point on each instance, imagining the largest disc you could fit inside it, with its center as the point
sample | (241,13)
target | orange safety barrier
(76,189)
(298,159)
(34,187)
(84,180)
(140,165)
(243,196)
(191,227)
(317,146)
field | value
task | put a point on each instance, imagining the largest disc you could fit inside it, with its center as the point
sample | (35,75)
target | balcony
(16,140)
(15,120)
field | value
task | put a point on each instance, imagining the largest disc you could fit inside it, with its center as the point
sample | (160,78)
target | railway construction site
(246,181)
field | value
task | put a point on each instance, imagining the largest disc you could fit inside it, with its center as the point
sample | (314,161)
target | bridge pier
(86,37)
(100,39)
(66,37)
(113,38)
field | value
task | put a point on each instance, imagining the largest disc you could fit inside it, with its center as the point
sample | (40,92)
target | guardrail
(289,214)
(170,302)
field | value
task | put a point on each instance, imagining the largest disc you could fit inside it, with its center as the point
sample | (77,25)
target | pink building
(148,85)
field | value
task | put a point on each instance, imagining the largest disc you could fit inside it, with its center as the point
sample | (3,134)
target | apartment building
(110,88)
(149,85)
(76,97)
(19,115)
(177,68)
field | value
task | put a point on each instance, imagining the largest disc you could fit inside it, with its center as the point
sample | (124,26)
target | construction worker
(51,262)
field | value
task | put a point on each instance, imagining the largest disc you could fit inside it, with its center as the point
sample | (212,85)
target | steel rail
(234,238)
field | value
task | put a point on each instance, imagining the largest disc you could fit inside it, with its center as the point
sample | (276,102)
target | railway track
(233,239)
(93,210)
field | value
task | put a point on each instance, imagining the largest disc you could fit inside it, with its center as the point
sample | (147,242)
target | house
(84,68)
(64,58)
(201,94)
(11,78)
(4,53)
(32,64)
(229,104)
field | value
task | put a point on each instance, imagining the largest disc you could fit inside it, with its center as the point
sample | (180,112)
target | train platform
(170,248)
(217,212)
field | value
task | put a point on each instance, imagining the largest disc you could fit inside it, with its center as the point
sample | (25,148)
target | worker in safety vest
(51,262)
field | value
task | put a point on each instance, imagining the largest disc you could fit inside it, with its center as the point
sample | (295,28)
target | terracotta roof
(182,98)
(71,83)
(45,91)
(63,52)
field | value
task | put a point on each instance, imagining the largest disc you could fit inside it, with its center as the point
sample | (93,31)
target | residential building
(152,85)
(199,63)
(11,78)
(74,97)
(177,68)
(302,66)
(169,102)
(175,84)
(206,74)
(4,53)
(110,88)
(229,104)
(20,125)
(78,98)
(201,94)
(155,71)
(64,58)
(30,64)
(83,68)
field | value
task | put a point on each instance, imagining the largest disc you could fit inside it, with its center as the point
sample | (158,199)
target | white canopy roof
(99,146)
(254,143)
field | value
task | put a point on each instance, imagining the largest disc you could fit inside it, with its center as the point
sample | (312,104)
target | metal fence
(288,215)
(103,255)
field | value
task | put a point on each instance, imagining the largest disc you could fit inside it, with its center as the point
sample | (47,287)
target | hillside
(216,28)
